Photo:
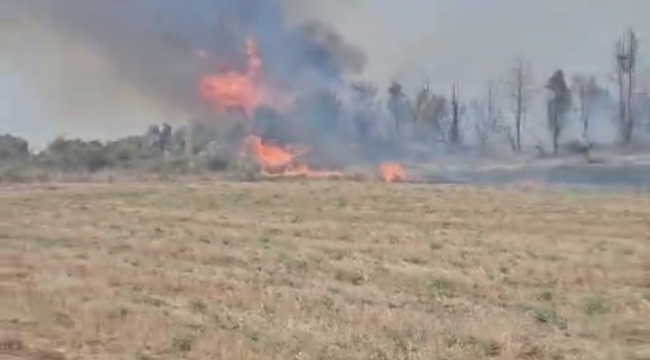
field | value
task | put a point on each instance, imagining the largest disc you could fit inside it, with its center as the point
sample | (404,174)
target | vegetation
(502,118)
(314,270)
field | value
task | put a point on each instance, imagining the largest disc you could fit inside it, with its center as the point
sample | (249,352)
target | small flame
(392,172)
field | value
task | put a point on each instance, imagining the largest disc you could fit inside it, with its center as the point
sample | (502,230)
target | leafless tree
(626,54)
(488,117)
(589,94)
(520,83)
(454,129)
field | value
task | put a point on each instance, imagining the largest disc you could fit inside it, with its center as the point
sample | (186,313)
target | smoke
(142,55)
(139,55)
(330,41)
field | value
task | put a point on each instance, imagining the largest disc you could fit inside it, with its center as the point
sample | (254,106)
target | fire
(270,158)
(392,172)
(277,161)
(246,92)
(236,90)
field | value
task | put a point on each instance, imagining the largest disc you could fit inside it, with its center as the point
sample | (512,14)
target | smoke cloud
(144,54)
(443,41)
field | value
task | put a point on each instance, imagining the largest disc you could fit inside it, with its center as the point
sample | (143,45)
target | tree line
(498,118)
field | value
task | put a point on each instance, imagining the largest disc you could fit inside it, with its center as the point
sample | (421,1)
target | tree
(397,104)
(13,148)
(642,107)
(520,92)
(365,110)
(429,112)
(488,117)
(626,55)
(454,129)
(166,138)
(558,106)
(589,95)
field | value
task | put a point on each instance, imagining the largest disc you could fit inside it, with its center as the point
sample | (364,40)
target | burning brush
(246,92)
(392,172)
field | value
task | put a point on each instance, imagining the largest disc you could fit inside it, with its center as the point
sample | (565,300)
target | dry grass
(321,270)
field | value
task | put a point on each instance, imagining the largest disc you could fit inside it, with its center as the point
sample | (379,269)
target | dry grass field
(321,270)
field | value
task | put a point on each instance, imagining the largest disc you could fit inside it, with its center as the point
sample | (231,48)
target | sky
(469,41)
(464,42)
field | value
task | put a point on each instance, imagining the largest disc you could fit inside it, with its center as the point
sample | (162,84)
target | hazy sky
(467,41)
(449,41)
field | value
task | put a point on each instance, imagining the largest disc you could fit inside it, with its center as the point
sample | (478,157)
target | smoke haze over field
(102,68)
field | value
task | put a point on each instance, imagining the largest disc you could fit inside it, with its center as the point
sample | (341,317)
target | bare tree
(626,54)
(520,92)
(558,106)
(589,94)
(488,117)
(642,107)
(454,129)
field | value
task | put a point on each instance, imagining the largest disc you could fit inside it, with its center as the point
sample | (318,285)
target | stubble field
(321,270)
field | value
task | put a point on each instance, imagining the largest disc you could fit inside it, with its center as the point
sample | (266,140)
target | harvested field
(321,270)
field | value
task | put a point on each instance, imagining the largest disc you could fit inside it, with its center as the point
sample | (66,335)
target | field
(321,270)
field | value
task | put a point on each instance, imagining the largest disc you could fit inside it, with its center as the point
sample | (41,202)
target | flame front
(277,161)
(270,158)
(392,172)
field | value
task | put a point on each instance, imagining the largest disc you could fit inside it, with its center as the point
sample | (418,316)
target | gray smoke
(80,56)
(410,41)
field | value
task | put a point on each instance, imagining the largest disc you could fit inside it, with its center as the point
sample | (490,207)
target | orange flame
(268,157)
(276,161)
(244,91)
(392,172)
(236,90)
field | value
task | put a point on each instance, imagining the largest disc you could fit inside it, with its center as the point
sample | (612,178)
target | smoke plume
(162,47)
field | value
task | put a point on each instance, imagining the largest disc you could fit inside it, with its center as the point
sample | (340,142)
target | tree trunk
(620,78)
(519,115)
(454,135)
(629,124)
(584,114)
(556,139)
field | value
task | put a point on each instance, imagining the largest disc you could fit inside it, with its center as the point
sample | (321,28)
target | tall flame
(236,90)
(244,91)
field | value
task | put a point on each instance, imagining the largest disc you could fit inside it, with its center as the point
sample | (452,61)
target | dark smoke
(153,43)
(325,38)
